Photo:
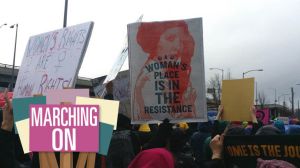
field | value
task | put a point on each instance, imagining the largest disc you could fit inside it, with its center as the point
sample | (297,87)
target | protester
(268,130)
(198,138)
(280,125)
(124,145)
(167,148)
(161,137)
(153,158)
(273,164)
(145,133)
(7,156)
(181,150)
(109,91)
(293,130)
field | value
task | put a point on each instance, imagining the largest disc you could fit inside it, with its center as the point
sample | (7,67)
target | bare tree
(262,99)
(215,87)
(228,74)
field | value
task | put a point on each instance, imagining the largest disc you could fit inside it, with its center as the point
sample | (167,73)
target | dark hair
(177,140)
(123,122)
(161,137)
(233,129)
(268,130)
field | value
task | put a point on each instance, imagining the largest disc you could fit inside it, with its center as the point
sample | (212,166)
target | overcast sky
(238,35)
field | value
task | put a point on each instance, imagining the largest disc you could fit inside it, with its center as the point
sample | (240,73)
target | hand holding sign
(253,114)
(216,145)
(7,123)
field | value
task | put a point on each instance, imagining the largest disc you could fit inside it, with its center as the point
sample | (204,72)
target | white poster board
(166,65)
(100,90)
(52,60)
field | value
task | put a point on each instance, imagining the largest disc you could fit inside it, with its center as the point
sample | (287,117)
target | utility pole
(298,110)
(11,85)
(292,90)
(65,14)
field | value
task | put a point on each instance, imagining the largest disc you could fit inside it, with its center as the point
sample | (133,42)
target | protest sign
(121,91)
(166,65)
(52,60)
(64,128)
(237,99)
(21,117)
(108,119)
(263,115)
(244,150)
(99,90)
(65,95)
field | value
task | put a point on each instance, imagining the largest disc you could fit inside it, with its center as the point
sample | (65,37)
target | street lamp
(284,108)
(219,70)
(275,101)
(251,71)
(11,85)
(283,98)
(298,110)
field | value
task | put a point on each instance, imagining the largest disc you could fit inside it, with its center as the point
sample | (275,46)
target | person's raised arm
(7,123)
(220,113)
(253,114)
(7,156)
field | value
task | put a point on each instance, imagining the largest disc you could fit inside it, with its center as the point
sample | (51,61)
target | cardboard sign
(52,60)
(263,115)
(166,63)
(244,150)
(108,119)
(121,92)
(237,99)
(21,117)
(108,108)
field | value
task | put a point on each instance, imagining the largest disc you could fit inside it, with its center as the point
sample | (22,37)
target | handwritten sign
(52,60)
(166,63)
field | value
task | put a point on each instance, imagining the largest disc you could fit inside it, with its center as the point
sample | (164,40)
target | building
(6,73)
(277,110)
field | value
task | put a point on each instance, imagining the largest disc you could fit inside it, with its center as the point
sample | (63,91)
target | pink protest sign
(65,95)
(263,115)
(64,128)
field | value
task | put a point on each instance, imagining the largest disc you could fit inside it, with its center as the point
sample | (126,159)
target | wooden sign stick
(82,159)
(47,159)
(66,158)
(91,160)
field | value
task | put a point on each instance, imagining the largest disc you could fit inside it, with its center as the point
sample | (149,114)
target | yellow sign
(237,99)
(23,130)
